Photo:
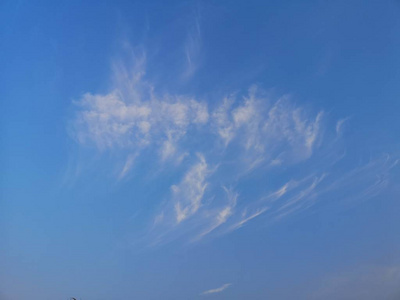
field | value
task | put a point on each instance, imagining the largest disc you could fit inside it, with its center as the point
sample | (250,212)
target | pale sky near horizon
(200,150)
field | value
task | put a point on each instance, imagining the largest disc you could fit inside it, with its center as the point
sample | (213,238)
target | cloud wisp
(189,193)
(217,290)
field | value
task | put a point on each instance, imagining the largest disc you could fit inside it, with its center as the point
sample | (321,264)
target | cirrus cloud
(219,145)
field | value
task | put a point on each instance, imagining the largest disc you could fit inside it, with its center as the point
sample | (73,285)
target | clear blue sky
(200,150)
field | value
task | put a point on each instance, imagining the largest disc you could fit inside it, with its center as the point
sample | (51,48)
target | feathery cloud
(189,193)
(132,117)
(238,135)
(222,214)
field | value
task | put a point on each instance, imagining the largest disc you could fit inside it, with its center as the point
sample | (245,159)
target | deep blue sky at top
(76,219)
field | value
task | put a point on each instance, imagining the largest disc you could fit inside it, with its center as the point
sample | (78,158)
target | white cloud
(189,193)
(289,126)
(223,122)
(245,113)
(353,185)
(280,192)
(132,117)
(339,126)
(257,133)
(217,290)
(110,122)
(168,147)
(278,132)
(300,195)
(127,166)
(192,48)
(222,214)
(200,112)
(362,182)
(248,218)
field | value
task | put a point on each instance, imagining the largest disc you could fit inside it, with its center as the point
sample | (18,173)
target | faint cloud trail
(217,290)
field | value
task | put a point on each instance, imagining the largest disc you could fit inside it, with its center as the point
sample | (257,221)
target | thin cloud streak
(217,290)
(128,165)
(192,48)
(222,215)
(248,218)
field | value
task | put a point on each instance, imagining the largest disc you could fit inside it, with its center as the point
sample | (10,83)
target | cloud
(349,187)
(128,165)
(192,48)
(281,191)
(246,218)
(222,214)
(131,117)
(288,153)
(189,193)
(222,120)
(217,290)
(266,130)
(295,202)
(108,121)
(339,126)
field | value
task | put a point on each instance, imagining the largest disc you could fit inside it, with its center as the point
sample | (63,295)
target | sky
(200,150)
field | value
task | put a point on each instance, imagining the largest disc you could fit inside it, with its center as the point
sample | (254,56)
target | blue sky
(200,150)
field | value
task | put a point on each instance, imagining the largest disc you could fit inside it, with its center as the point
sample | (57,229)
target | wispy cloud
(222,214)
(246,218)
(189,193)
(253,136)
(128,165)
(192,47)
(295,202)
(339,126)
(222,120)
(217,290)
(267,130)
(132,117)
